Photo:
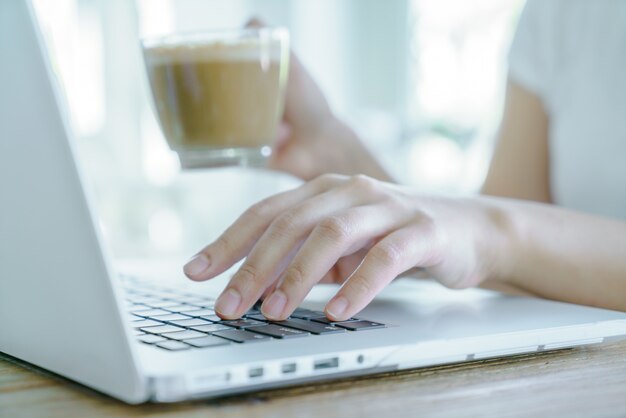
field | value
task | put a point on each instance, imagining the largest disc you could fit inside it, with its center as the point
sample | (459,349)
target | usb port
(255,372)
(329,363)
(289,368)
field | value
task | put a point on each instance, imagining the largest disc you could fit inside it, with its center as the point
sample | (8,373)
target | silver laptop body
(62,306)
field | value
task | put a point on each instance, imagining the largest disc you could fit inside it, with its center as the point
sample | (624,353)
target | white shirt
(572,54)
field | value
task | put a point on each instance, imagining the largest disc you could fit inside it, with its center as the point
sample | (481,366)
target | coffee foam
(243,50)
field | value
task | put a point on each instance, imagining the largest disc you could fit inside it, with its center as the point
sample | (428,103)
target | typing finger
(333,237)
(394,254)
(238,239)
(275,249)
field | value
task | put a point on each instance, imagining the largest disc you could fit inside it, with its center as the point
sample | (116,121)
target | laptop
(65,308)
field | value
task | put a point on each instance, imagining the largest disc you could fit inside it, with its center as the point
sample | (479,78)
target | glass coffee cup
(219,95)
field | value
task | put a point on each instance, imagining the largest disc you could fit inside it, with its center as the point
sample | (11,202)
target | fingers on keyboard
(175,321)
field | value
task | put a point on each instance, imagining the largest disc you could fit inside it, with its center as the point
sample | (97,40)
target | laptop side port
(327,363)
(255,372)
(289,368)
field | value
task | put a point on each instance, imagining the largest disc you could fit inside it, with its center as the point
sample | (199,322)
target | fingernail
(196,265)
(274,305)
(228,302)
(337,307)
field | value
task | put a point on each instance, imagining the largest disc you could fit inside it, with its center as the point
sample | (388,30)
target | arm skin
(560,254)
(520,166)
(564,255)
(363,232)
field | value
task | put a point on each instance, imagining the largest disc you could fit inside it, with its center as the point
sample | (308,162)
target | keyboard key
(212,318)
(190,322)
(210,328)
(150,312)
(175,320)
(241,336)
(144,300)
(185,335)
(257,317)
(181,308)
(324,320)
(173,345)
(162,304)
(208,341)
(242,323)
(194,300)
(170,317)
(162,329)
(145,323)
(200,312)
(163,295)
(359,325)
(310,326)
(277,331)
(151,338)
(307,314)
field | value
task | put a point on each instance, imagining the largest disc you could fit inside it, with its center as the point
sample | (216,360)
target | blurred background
(421,82)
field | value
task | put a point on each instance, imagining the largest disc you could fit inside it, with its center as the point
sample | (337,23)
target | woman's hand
(312,141)
(354,229)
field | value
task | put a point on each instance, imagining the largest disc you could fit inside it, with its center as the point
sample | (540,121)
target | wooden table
(587,381)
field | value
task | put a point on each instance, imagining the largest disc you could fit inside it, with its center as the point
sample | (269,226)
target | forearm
(561,254)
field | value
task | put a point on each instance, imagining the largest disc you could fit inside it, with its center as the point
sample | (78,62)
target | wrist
(500,241)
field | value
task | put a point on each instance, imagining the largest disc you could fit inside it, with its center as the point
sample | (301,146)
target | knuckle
(223,244)
(363,182)
(295,276)
(429,226)
(248,275)
(285,223)
(259,211)
(360,288)
(335,228)
(328,179)
(365,186)
(386,253)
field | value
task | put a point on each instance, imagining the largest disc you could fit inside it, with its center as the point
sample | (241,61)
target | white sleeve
(528,57)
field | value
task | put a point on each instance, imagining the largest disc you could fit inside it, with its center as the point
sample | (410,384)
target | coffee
(218,96)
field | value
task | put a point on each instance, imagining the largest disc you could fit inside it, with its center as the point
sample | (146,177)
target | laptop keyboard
(175,320)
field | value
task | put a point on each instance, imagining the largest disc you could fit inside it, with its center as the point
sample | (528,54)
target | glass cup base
(224,157)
